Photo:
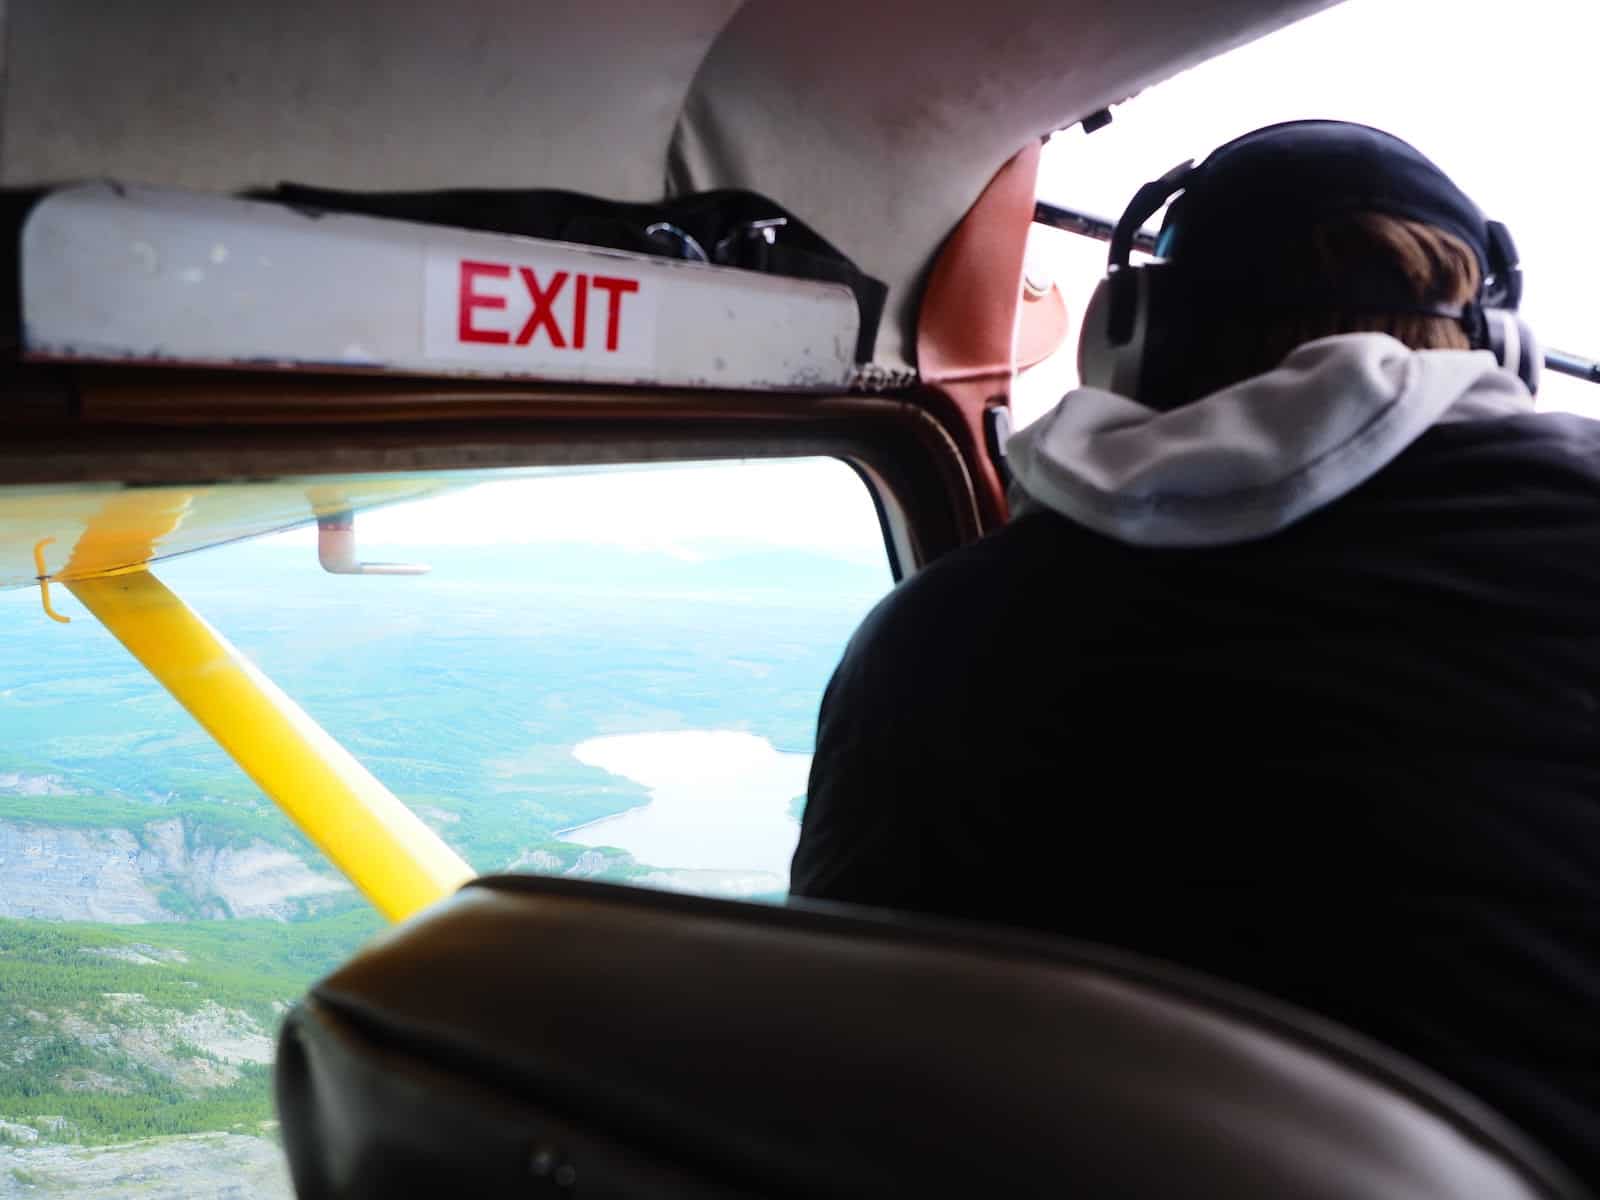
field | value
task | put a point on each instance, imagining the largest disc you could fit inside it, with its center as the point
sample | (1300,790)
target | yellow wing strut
(381,845)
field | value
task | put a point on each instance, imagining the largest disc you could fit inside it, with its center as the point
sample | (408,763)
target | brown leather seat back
(542,1037)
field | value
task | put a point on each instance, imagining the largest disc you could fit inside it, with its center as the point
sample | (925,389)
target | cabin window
(607,675)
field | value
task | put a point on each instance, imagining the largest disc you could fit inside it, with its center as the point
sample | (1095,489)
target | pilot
(1287,666)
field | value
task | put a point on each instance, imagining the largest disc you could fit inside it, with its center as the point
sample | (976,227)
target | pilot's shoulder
(948,602)
(1540,450)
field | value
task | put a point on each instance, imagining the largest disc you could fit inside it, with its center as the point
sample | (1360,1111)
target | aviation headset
(1275,183)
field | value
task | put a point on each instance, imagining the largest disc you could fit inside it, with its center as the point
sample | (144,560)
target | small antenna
(336,550)
(44,581)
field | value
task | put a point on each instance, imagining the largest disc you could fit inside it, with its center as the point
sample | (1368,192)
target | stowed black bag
(730,228)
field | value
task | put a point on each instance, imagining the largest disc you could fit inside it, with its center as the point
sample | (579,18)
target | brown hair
(1366,253)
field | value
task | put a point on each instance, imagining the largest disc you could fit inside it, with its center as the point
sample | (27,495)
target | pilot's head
(1289,234)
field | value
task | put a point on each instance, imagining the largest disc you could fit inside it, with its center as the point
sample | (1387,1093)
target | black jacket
(1355,765)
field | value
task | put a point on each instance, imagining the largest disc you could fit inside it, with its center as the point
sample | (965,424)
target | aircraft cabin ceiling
(878,123)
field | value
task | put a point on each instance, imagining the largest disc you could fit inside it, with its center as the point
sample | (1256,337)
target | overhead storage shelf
(127,274)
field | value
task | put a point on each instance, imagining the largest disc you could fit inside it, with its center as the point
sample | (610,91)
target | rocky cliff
(163,871)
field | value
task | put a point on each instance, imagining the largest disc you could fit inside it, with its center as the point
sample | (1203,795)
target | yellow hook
(44,581)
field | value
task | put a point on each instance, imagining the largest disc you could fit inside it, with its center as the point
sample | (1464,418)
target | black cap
(1277,182)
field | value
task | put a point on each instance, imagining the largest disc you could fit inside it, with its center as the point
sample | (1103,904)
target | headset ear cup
(1095,351)
(1531,369)
(1514,345)
(1122,292)
(1104,362)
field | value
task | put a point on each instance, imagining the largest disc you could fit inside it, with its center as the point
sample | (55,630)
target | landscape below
(158,915)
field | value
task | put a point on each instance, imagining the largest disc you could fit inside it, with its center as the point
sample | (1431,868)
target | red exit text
(479,299)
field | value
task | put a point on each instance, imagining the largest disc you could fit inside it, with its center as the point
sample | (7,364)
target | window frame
(154,427)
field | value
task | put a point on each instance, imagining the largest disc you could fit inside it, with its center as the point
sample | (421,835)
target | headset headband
(1146,202)
(1503,287)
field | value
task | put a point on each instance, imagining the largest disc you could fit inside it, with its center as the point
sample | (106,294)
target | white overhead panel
(367,94)
(881,123)
(147,275)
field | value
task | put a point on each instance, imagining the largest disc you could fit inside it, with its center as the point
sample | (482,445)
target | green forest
(253,967)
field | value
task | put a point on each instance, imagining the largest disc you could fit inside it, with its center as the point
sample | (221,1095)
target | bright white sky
(1503,96)
(685,511)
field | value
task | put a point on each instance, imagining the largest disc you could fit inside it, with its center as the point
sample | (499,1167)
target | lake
(718,820)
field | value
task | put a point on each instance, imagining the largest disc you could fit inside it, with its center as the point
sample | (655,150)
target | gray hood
(1253,458)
